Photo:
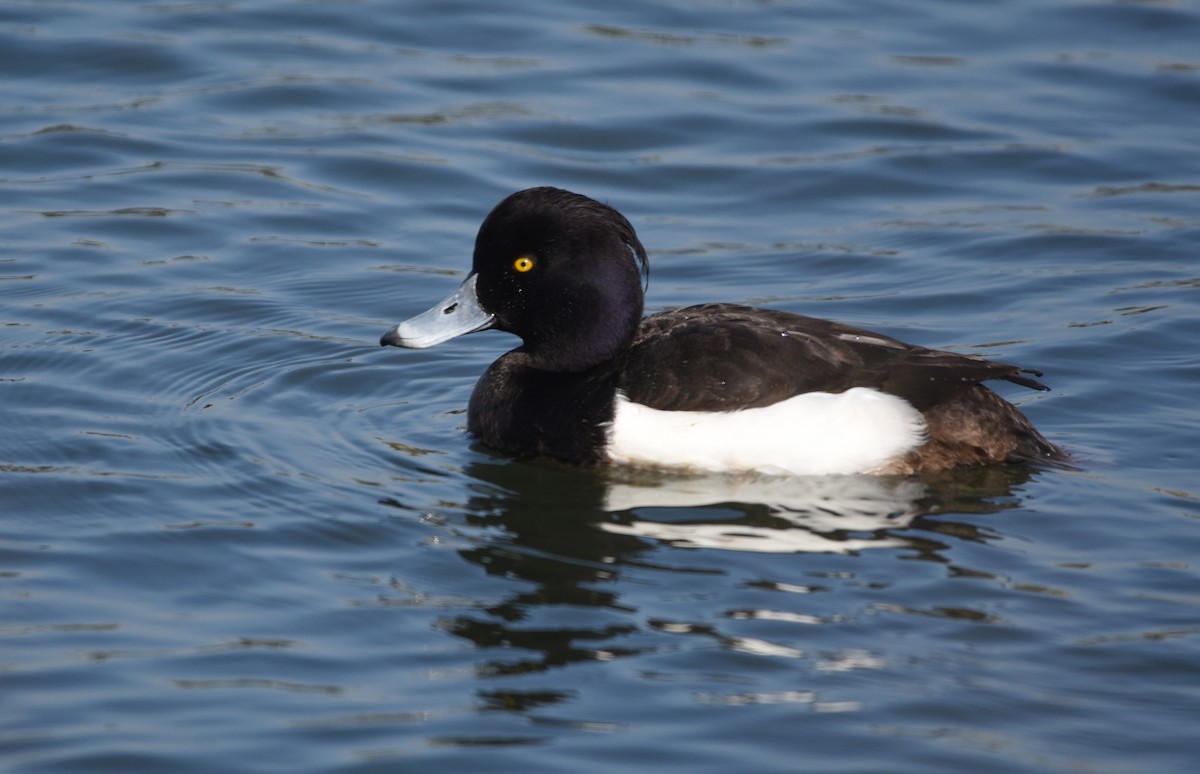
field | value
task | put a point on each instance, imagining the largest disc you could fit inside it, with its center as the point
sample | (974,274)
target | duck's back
(722,357)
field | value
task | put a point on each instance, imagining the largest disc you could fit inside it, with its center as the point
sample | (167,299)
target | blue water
(236,535)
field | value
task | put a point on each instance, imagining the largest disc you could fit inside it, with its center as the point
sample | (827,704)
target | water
(239,536)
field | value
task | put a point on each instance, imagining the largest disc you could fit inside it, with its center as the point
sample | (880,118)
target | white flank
(817,433)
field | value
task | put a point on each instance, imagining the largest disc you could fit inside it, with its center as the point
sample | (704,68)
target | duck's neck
(563,344)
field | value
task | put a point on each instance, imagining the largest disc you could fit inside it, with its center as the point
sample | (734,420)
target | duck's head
(560,270)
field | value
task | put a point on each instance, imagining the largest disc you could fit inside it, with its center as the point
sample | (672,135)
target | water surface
(236,535)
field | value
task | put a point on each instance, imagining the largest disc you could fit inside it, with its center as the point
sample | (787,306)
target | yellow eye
(523,264)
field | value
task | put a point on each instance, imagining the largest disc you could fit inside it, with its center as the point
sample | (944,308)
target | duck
(716,387)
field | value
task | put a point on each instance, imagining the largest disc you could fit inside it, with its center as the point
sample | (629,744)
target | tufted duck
(716,387)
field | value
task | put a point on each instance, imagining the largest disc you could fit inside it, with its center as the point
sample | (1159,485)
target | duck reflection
(834,514)
(570,534)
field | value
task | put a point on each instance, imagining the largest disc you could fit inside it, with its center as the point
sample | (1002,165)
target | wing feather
(722,357)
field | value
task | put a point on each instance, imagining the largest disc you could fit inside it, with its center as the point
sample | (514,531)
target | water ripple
(235,529)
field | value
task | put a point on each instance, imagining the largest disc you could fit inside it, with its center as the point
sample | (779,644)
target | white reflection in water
(817,511)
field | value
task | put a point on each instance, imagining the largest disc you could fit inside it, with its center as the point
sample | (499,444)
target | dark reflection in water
(570,533)
(546,516)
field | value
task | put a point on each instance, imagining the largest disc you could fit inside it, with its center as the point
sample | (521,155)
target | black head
(563,272)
